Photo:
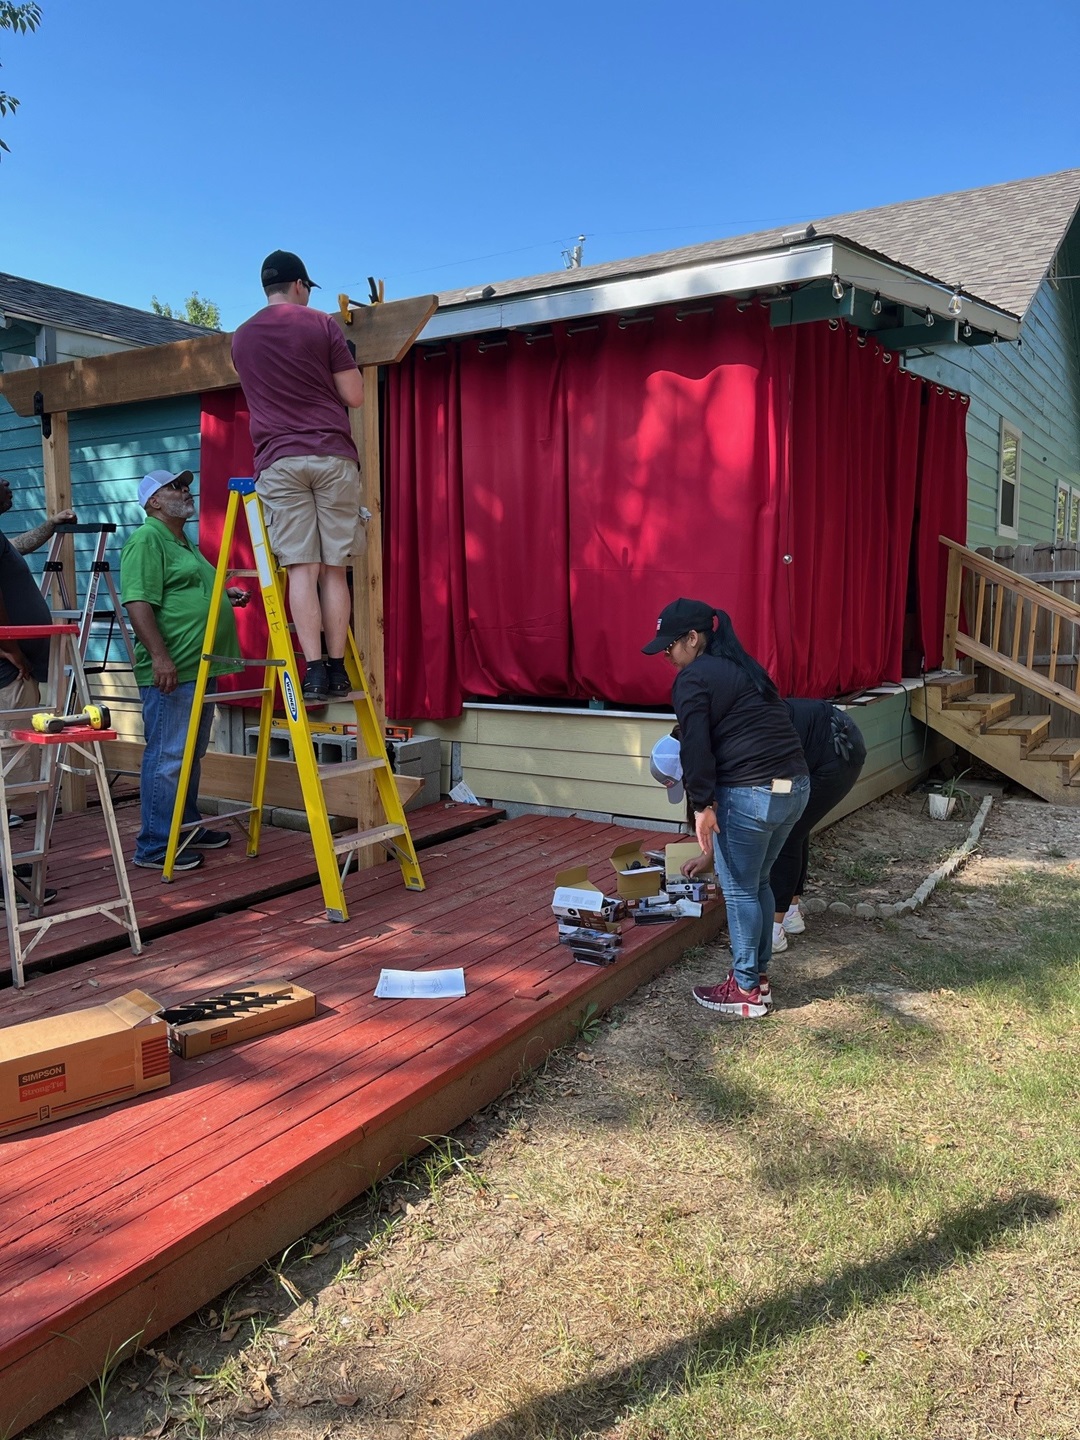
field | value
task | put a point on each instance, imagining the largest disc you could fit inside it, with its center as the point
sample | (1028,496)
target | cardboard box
(637,878)
(240,1013)
(64,1064)
(577,899)
(676,856)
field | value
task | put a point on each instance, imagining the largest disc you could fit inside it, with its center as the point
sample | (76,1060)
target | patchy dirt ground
(884,851)
(549,1270)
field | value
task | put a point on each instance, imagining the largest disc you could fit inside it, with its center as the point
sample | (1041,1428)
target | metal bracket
(43,416)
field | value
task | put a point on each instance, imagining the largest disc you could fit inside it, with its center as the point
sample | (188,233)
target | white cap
(665,765)
(157,480)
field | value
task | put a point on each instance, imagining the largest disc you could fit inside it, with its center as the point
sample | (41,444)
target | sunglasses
(668,648)
(178,485)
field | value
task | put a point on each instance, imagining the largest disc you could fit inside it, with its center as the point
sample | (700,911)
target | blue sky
(162,148)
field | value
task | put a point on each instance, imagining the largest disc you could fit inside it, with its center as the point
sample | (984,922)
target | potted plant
(946,795)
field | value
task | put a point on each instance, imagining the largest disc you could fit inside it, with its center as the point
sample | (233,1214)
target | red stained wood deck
(124,1221)
(80,868)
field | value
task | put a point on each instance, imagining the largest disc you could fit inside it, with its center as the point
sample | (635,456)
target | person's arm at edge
(144,623)
(34,539)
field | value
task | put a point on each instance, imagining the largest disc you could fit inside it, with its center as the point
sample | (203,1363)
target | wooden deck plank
(80,867)
(80,1143)
(182,1284)
(383,1020)
(161,971)
(316,1105)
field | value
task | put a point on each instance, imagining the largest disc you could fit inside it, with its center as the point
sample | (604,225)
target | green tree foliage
(20,19)
(196,311)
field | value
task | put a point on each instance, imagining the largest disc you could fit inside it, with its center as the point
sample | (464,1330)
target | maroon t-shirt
(287,357)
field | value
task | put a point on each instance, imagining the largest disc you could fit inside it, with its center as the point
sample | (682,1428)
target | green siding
(1034,386)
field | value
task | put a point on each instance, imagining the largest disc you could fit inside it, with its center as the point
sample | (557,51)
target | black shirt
(812,720)
(729,734)
(25,606)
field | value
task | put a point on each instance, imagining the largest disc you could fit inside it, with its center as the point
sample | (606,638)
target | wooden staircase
(981,593)
(1020,746)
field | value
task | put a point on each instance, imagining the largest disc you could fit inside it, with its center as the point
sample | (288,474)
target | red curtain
(545,496)
(546,499)
(942,508)
(226,451)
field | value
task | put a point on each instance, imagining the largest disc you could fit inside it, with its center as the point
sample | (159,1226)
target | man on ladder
(299,380)
(167,586)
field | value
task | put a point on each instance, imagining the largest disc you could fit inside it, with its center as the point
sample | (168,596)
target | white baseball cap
(665,765)
(158,479)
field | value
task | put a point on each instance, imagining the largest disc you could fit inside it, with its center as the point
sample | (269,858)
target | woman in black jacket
(835,753)
(744,772)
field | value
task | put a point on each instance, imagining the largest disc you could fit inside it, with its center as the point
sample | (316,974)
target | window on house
(1008,480)
(1067,526)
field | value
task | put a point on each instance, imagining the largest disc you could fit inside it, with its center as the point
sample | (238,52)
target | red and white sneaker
(731,999)
(765,990)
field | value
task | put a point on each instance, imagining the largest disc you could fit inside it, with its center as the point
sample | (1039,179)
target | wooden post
(56,467)
(367,622)
(952,609)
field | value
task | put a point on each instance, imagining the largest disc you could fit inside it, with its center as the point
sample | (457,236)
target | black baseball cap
(678,619)
(282,266)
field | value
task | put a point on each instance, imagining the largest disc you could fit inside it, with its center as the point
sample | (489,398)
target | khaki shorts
(312,508)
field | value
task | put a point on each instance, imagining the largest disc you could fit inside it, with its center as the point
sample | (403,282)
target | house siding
(597,762)
(1035,386)
(111,449)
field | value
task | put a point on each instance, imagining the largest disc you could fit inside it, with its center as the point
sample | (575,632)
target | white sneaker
(779,939)
(13,820)
(793,921)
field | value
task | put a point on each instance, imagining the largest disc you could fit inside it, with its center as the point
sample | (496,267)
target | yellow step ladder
(281,670)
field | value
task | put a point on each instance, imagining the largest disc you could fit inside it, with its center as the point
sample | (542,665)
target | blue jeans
(165,724)
(754,821)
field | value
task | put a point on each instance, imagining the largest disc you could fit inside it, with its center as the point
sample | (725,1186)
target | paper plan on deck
(420,984)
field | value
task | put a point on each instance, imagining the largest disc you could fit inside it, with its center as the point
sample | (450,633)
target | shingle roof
(996,242)
(46,305)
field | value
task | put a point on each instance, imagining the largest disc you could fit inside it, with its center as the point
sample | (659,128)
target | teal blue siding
(1036,388)
(111,449)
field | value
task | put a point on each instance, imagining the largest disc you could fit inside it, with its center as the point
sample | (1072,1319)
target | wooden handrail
(1006,662)
(1019,584)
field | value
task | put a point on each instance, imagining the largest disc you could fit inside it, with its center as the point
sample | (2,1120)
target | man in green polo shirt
(166,586)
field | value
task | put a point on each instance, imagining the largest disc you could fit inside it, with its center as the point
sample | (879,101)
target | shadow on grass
(597,1403)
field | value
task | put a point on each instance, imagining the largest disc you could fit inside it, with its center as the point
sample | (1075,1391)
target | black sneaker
(339,684)
(210,839)
(186,860)
(13,820)
(316,686)
(26,874)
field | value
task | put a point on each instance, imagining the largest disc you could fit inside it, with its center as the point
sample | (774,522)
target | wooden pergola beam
(382,335)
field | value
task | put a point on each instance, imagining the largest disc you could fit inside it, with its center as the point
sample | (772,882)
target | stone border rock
(866,911)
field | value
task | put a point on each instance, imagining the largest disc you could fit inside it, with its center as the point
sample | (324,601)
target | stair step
(955,686)
(331,770)
(987,708)
(1064,752)
(358,839)
(1032,729)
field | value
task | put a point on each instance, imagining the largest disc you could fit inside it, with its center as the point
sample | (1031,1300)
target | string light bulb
(929,317)
(875,304)
(967,330)
(837,288)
